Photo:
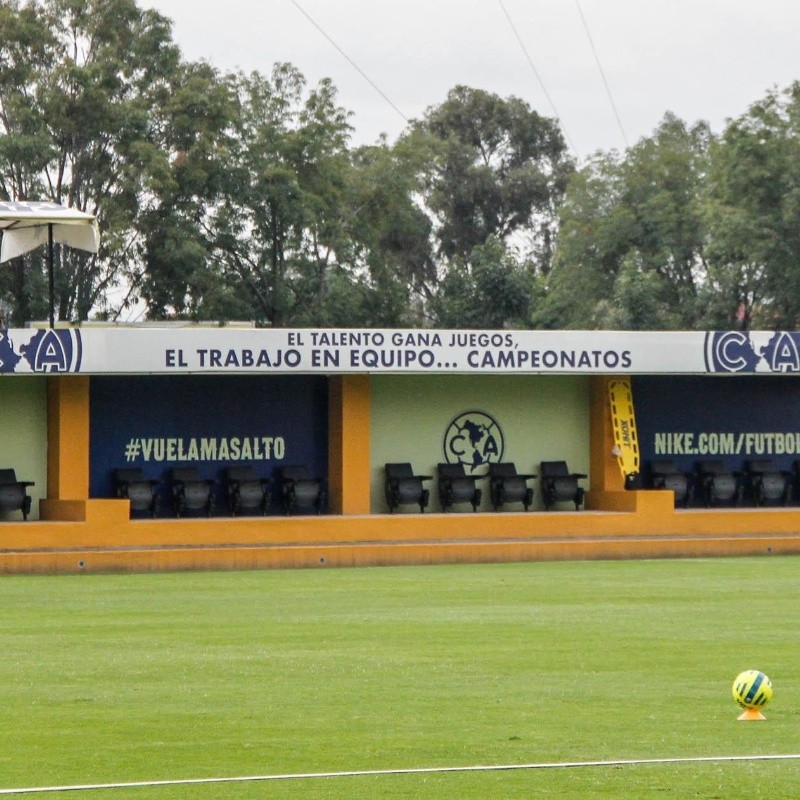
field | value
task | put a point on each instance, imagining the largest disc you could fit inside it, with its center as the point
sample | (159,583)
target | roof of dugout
(180,350)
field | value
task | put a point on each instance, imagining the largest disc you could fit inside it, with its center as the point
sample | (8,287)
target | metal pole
(50,274)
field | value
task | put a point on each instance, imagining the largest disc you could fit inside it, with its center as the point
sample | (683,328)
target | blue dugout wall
(158,422)
(733,418)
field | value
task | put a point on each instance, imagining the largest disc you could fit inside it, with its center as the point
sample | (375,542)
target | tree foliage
(79,81)
(631,237)
(498,168)
(492,289)
(392,270)
(753,214)
(176,272)
(494,175)
(240,196)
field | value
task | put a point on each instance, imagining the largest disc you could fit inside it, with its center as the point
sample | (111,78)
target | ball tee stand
(750,714)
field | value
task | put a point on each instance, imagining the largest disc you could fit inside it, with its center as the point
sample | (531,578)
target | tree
(492,289)
(752,210)
(499,169)
(640,299)
(391,269)
(176,274)
(277,228)
(594,231)
(78,81)
(631,227)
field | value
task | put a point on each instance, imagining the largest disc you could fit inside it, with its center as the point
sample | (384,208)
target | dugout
(80,402)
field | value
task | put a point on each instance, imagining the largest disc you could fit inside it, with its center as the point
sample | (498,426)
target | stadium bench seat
(14,494)
(664,474)
(403,487)
(506,485)
(455,486)
(130,483)
(300,489)
(247,491)
(559,485)
(190,491)
(767,484)
(718,484)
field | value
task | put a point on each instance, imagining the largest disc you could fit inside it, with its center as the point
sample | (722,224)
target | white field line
(400,771)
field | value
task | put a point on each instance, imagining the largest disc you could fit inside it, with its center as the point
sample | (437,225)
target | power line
(349,60)
(538,78)
(602,73)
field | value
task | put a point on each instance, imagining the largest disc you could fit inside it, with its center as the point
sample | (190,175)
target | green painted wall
(23,435)
(542,418)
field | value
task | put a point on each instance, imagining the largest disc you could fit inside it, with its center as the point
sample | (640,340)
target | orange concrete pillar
(68,438)
(67,449)
(349,415)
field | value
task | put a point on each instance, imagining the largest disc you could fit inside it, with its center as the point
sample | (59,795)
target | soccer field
(170,677)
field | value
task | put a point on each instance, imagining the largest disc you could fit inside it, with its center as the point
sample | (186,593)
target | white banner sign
(176,351)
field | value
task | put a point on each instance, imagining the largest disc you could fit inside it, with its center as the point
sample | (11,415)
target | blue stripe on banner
(754,688)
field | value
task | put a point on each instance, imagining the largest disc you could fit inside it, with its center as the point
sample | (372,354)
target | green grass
(155,677)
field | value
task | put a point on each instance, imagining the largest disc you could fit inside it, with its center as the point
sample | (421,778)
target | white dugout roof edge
(170,351)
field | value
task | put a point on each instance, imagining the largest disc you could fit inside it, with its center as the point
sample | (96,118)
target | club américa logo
(752,351)
(40,350)
(475,440)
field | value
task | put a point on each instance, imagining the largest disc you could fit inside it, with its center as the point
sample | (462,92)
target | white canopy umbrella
(27,225)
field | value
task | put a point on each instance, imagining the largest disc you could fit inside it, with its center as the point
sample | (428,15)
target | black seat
(768,484)
(300,489)
(508,486)
(455,486)
(403,487)
(14,494)
(796,478)
(559,485)
(190,491)
(131,484)
(247,491)
(665,475)
(717,483)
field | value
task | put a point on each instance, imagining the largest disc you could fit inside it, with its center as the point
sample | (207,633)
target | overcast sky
(701,59)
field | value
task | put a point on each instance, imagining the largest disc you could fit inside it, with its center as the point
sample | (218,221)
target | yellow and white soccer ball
(752,689)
